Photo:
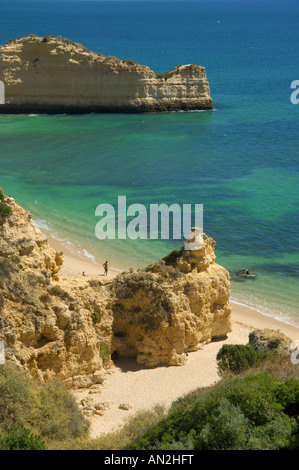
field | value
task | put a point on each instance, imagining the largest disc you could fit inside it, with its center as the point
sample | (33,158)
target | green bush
(5,210)
(21,439)
(236,358)
(226,429)
(104,352)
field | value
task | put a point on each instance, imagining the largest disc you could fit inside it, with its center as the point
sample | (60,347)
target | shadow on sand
(128,364)
(131,365)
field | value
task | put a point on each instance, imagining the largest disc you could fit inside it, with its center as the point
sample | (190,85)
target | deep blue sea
(240,161)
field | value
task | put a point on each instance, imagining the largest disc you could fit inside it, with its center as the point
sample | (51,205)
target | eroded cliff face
(46,330)
(56,75)
(69,328)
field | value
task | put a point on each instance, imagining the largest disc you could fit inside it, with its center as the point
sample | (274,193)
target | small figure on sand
(105,265)
(83,274)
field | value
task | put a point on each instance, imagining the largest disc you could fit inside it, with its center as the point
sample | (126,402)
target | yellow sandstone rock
(52,74)
(171,308)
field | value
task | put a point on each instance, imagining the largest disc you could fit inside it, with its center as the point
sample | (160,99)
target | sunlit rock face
(56,75)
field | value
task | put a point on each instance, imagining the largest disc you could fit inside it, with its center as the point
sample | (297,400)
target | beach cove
(157,385)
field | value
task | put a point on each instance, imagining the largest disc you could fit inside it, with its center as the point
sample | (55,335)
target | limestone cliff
(69,328)
(55,75)
(44,331)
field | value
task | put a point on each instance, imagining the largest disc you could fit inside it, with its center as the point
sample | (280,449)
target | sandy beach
(76,263)
(142,388)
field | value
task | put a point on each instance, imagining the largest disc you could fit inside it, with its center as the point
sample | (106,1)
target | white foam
(88,255)
(267,312)
(42,224)
(76,249)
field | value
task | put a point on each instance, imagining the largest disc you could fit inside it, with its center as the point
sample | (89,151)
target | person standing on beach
(105,265)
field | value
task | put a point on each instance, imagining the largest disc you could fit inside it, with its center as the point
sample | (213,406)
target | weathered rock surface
(69,328)
(52,74)
(46,330)
(171,308)
(270,340)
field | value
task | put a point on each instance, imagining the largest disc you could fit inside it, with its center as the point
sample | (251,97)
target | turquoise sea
(240,161)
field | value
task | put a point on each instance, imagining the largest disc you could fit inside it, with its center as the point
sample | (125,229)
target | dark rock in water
(242,275)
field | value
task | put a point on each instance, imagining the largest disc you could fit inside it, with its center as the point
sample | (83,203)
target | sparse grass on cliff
(59,292)
(173,256)
(5,210)
(164,75)
(49,411)
(4,269)
(104,352)
(96,317)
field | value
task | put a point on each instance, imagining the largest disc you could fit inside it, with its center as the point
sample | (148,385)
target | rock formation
(69,328)
(55,75)
(43,329)
(171,308)
(270,340)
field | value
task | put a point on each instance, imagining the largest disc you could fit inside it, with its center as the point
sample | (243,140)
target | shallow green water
(240,161)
